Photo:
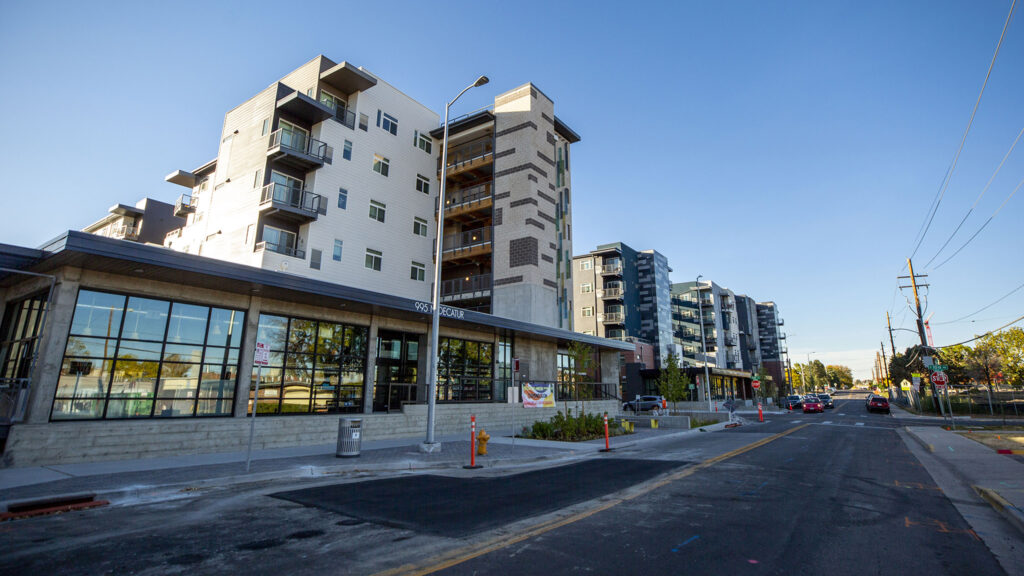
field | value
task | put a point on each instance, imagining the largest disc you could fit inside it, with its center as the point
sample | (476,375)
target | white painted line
(842,414)
(859,424)
(827,422)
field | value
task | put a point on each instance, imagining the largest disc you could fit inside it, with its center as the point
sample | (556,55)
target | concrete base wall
(94,441)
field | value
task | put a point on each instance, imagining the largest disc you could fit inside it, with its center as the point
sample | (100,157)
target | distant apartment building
(771,340)
(714,307)
(750,340)
(148,222)
(333,174)
(507,221)
(624,294)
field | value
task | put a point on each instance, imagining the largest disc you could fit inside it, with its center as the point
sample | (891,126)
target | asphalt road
(835,493)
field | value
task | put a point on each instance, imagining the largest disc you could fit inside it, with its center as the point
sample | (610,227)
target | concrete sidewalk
(146,479)
(997,478)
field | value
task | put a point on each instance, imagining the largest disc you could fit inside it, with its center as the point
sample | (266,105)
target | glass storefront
(136,357)
(397,370)
(465,371)
(315,366)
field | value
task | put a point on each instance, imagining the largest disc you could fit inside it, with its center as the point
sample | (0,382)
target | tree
(1010,347)
(582,357)
(839,376)
(673,383)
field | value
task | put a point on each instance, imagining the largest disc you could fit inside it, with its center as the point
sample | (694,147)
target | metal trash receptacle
(350,432)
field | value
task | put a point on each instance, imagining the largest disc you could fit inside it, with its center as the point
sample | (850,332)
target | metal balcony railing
(467,239)
(467,285)
(613,317)
(176,233)
(299,143)
(283,195)
(124,232)
(611,269)
(462,196)
(184,205)
(468,152)
(345,116)
(612,293)
(281,249)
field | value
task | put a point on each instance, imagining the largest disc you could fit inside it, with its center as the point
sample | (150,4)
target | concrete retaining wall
(67,442)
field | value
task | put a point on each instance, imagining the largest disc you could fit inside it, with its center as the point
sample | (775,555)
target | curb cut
(919,440)
(1001,505)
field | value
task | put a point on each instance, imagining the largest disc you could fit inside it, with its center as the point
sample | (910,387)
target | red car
(877,403)
(813,404)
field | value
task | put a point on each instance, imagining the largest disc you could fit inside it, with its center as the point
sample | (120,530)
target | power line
(1010,293)
(949,173)
(990,332)
(975,235)
(973,206)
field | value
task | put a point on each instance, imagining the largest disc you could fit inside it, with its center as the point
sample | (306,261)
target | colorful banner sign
(538,395)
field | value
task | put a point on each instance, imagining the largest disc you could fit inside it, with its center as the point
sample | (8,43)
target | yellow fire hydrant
(481,442)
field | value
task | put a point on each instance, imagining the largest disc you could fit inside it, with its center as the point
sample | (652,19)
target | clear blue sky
(788,151)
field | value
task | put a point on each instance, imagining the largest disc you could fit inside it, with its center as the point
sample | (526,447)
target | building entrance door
(397,370)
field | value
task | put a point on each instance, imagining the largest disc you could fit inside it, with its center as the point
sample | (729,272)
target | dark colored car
(877,404)
(793,403)
(813,404)
(646,403)
(827,400)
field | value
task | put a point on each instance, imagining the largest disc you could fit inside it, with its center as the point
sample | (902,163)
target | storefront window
(465,371)
(134,357)
(315,367)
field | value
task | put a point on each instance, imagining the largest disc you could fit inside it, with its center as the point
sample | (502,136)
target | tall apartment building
(750,341)
(333,174)
(508,226)
(148,222)
(771,340)
(624,294)
(715,307)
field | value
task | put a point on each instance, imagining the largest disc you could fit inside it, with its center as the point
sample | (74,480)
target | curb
(919,440)
(1001,505)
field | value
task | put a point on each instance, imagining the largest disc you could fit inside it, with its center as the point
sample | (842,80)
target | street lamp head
(481,81)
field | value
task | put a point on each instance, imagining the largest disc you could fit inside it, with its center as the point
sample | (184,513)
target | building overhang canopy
(156,263)
(464,123)
(304,108)
(347,78)
(125,210)
(181,178)
(564,131)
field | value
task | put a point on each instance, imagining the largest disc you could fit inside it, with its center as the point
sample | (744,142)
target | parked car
(827,400)
(793,402)
(646,403)
(813,404)
(877,404)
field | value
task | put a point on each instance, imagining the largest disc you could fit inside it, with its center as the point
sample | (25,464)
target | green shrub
(569,428)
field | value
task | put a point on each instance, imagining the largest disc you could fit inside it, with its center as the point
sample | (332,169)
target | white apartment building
(329,173)
(714,307)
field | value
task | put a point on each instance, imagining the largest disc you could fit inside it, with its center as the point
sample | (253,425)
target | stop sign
(755,384)
(939,378)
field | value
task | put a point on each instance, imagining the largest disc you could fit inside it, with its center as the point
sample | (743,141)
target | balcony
(290,203)
(467,244)
(782,322)
(173,235)
(346,117)
(612,269)
(709,319)
(611,293)
(782,336)
(184,206)
(466,200)
(613,318)
(125,232)
(298,150)
(731,340)
(468,156)
(281,249)
(467,288)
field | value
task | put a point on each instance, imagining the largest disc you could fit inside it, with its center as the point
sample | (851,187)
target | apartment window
(419,226)
(586,288)
(330,100)
(314,259)
(364,122)
(377,210)
(337,250)
(250,233)
(588,311)
(388,122)
(422,184)
(373,259)
(346,152)
(257,181)
(586,265)
(381,164)
(280,241)
(342,198)
(422,141)
(418,272)
(266,127)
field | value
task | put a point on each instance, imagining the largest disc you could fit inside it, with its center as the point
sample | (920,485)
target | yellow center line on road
(466,553)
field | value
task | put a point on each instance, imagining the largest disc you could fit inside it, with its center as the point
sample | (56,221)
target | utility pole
(920,330)
(885,364)
(888,323)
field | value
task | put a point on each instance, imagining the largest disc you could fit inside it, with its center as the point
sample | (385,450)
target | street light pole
(703,344)
(429,445)
(804,371)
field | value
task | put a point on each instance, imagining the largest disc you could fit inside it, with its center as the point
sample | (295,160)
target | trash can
(349,437)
